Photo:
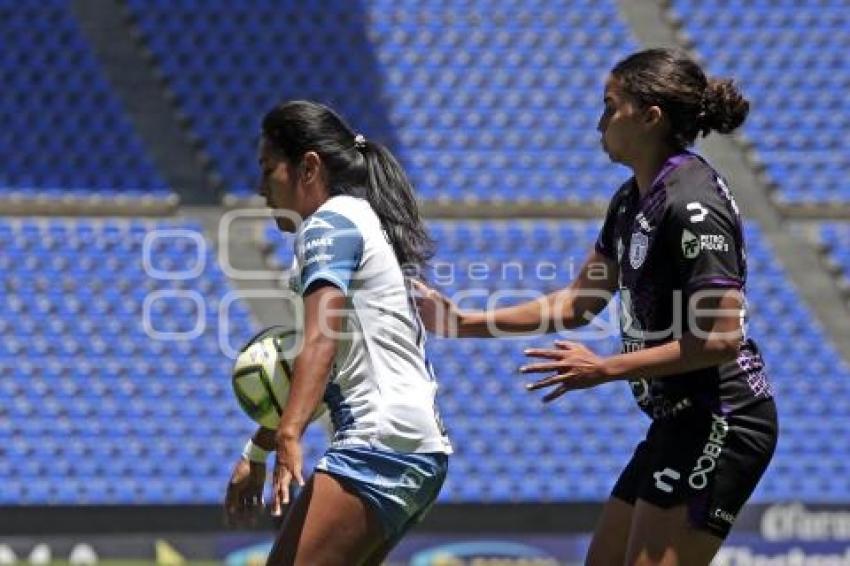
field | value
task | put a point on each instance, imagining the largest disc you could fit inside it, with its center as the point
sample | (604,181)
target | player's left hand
(244,498)
(574,367)
(287,467)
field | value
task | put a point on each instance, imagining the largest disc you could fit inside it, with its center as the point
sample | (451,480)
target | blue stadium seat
(473,107)
(121,402)
(787,58)
(64,129)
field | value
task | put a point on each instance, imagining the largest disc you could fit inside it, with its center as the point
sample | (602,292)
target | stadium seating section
(228,63)
(789,57)
(475,108)
(93,409)
(64,130)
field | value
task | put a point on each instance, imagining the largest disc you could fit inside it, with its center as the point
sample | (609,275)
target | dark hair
(693,103)
(358,168)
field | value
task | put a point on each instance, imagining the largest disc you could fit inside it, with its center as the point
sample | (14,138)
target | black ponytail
(354,166)
(391,196)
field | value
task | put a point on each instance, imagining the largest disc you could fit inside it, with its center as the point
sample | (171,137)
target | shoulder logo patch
(317,222)
(700,212)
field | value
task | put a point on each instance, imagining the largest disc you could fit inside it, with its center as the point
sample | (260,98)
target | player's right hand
(439,315)
(243,503)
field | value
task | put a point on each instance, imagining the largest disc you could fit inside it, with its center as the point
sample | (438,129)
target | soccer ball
(262,372)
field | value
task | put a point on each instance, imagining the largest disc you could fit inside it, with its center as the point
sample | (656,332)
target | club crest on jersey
(641,221)
(637,249)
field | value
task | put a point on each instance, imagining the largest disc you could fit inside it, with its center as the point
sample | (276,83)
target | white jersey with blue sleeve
(382,390)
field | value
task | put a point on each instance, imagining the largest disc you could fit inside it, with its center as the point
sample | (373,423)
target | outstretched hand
(573,365)
(439,314)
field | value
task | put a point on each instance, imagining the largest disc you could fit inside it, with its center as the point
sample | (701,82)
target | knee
(667,557)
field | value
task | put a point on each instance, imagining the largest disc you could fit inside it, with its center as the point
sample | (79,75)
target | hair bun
(724,108)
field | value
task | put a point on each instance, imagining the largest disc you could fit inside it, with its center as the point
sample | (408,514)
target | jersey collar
(672,163)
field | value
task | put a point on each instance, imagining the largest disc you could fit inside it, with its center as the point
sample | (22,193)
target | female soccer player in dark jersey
(672,246)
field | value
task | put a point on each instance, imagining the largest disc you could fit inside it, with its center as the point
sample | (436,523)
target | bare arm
(571,307)
(715,338)
(323,314)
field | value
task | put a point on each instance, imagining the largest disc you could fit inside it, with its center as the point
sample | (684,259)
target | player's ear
(653,115)
(311,165)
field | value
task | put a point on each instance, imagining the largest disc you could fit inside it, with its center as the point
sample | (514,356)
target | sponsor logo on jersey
(640,390)
(666,474)
(710,452)
(637,249)
(664,408)
(700,212)
(713,243)
(725,516)
(690,244)
(324,242)
(327,258)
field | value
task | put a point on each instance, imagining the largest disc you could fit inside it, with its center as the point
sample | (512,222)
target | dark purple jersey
(683,237)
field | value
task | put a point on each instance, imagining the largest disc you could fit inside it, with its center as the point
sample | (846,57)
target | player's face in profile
(619,123)
(278,185)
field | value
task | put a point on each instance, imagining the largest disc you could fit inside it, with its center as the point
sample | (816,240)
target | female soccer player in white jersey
(672,243)
(389,453)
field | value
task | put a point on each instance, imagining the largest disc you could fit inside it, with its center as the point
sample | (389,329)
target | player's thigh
(329,525)
(608,545)
(666,537)
(379,554)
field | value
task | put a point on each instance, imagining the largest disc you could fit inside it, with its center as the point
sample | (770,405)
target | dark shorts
(709,462)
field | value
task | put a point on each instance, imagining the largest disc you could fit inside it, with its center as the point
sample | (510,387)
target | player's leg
(665,537)
(329,525)
(611,536)
(708,466)
(359,503)
(380,554)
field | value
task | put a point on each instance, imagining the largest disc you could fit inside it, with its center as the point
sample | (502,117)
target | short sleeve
(705,238)
(328,248)
(605,242)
